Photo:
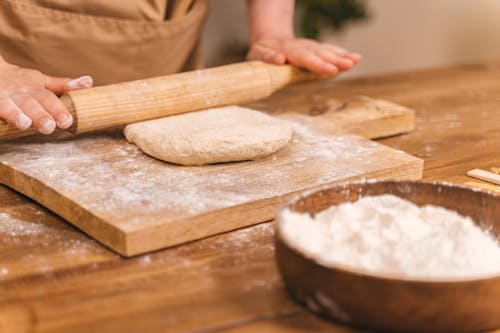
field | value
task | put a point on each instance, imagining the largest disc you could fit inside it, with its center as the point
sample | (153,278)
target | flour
(391,236)
(12,227)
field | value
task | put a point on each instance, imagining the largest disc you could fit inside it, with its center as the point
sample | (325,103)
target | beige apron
(107,39)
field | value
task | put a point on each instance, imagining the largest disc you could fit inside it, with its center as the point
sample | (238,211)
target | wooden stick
(130,102)
(484,186)
(484,175)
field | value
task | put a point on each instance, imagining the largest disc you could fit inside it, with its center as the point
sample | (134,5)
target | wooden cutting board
(135,204)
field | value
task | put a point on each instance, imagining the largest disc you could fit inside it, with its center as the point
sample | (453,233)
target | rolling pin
(129,102)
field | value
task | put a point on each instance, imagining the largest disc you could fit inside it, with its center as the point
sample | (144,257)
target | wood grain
(55,279)
(135,204)
(484,186)
(484,175)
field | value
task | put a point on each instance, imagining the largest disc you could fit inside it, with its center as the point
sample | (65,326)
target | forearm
(270,19)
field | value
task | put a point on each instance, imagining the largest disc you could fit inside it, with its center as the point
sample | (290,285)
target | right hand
(29,97)
(321,58)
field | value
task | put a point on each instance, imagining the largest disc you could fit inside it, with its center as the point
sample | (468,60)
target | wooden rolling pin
(130,102)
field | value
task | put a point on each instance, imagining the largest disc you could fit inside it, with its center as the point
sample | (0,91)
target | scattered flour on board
(105,174)
(391,236)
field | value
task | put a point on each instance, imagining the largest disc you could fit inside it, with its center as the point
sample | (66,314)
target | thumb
(83,82)
(266,54)
(60,85)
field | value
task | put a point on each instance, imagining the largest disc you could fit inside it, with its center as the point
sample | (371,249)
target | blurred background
(392,35)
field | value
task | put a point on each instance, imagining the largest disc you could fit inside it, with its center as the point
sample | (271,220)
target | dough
(211,136)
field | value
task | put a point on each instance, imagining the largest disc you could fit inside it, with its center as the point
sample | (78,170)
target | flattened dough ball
(217,135)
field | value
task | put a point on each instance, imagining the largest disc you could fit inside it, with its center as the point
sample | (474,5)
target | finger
(272,57)
(58,85)
(279,58)
(41,118)
(308,59)
(54,107)
(13,114)
(83,82)
(335,49)
(354,57)
(342,63)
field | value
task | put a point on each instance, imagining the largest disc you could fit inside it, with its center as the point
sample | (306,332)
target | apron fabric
(148,10)
(68,38)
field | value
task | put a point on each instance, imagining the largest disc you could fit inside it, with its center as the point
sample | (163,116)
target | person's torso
(113,41)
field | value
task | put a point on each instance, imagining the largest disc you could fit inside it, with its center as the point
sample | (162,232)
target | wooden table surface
(55,279)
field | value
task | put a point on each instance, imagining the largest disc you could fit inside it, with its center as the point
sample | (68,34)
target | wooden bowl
(386,303)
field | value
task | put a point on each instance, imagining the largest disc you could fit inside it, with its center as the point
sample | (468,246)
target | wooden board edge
(400,123)
(262,210)
(374,125)
(60,205)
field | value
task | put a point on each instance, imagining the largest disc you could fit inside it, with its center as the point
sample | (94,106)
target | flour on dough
(210,136)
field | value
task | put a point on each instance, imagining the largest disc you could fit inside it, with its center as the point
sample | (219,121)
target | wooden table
(55,279)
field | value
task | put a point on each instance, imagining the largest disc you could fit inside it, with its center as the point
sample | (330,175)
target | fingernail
(331,69)
(23,122)
(82,82)
(47,126)
(348,62)
(65,121)
(357,56)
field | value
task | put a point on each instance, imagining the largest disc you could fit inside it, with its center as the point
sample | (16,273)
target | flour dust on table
(227,134)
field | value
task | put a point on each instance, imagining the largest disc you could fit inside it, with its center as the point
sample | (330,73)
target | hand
(27,96)
(306,53)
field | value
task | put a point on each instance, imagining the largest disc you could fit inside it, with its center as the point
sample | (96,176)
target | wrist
(255,37)
(270,19)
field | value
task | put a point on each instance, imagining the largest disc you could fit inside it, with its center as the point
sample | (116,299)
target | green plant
(335,12)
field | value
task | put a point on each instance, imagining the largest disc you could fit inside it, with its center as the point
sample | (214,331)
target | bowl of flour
(398,256)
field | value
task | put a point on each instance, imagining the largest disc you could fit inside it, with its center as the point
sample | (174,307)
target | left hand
(317,57)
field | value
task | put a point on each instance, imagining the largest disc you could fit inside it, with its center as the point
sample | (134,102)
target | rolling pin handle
(70,106)
(8,131)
